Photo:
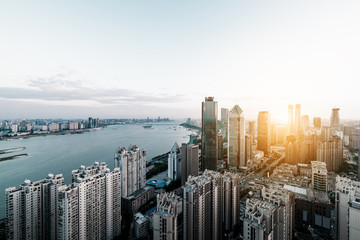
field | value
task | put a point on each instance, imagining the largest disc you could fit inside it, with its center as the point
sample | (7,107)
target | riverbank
(38,134)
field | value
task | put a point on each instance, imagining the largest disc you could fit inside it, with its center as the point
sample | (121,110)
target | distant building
(252,130)
(335,119)
(298,119)
(73,125)
(132,164)
(165,218)
(305,123)
(14,128)
(189,161)
(263,132)
(54,127)
(347,208)
(236,141)
(330,151)
(174,163)
(317,122)
(349,130)
(291,124)
(209,144)
(319,175)
(31,210)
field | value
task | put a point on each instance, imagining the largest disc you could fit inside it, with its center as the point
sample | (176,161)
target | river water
(64,153)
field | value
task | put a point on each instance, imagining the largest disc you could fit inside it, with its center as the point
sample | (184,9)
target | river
(64,153)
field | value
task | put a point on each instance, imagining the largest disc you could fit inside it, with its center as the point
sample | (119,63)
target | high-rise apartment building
(211,205)
(297,119)
(132,164)
(263,132)
(330,151)
(209,140)
(335,119)
(347,208)
(231,201)
(31,210)
(174,163)
(165,216)
(284,200)
(236,141)
(317,122)
(319,175)
(189,161)
(90,208)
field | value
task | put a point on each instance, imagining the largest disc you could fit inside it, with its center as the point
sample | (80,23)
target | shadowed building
(209,140)
(189,161)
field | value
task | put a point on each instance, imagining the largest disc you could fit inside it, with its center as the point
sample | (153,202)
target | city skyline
(139,59)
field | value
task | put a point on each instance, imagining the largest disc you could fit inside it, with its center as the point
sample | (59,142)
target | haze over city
(135,59)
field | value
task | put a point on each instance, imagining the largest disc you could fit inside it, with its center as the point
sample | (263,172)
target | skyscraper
(31,210)
(189,161)
(174,163)
(263,136)
(224,123)
(297,119)
(252,131)
(236,142)
(291,124)
(335,119)
(209,144)
(165,216)
(132,164)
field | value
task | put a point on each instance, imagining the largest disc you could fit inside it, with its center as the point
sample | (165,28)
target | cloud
(63,88)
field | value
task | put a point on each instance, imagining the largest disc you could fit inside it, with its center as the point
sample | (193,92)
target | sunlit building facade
(236,142)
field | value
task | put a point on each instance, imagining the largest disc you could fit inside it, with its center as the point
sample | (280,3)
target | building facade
(209,130)
(263,132)
(189,161)
(132,164)
(174,163)
(165,218)
(236,140)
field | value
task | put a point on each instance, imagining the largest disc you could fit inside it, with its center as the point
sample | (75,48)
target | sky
(133,59)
